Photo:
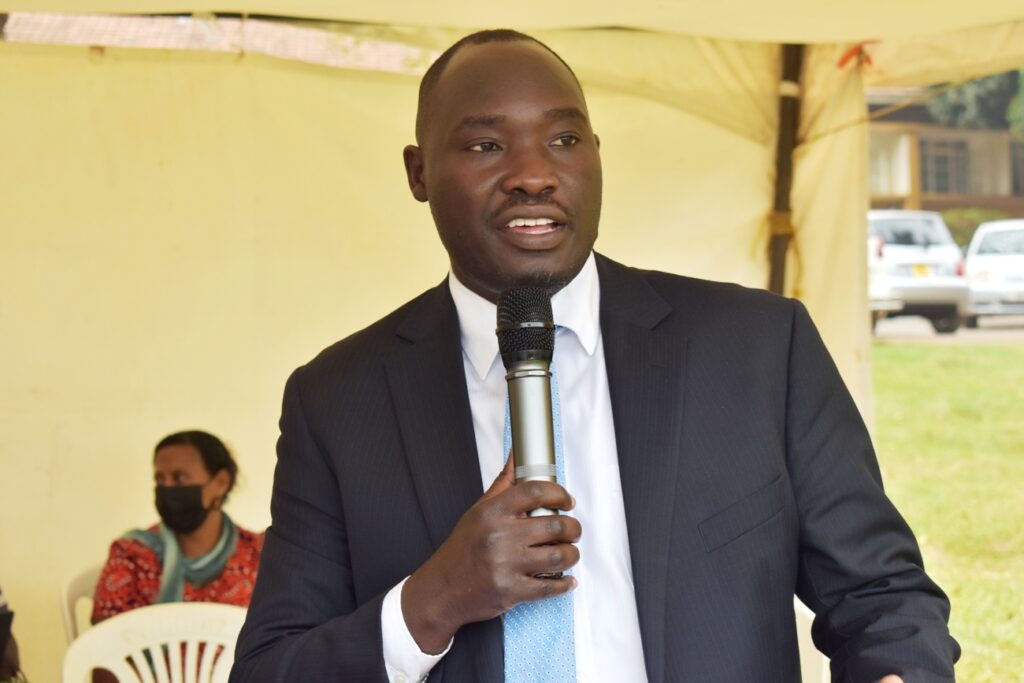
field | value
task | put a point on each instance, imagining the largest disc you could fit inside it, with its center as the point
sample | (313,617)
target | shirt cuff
(403,659)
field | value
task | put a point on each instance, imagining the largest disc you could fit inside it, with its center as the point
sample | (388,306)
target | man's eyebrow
(485,120)
(565,113)
(481,121)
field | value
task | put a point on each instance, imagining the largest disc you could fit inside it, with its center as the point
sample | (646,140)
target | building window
(944,166)
(1017,161)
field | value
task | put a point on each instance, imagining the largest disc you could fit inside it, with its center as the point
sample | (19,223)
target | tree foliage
(963,222)
(993,102)
(1015,110)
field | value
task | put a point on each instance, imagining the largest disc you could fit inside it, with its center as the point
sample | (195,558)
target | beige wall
(180,230)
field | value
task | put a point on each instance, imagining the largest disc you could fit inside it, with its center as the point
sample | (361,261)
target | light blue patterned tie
(539,646)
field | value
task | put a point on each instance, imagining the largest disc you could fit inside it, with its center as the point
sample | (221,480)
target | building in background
(918,163)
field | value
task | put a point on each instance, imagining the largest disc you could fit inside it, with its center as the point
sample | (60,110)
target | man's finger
(530,495)
(548,559)
(892,678)
(551,529)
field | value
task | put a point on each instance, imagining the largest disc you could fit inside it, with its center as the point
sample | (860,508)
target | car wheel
(971,322)
(947,325)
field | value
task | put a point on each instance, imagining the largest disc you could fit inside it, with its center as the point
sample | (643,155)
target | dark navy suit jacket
(747,476)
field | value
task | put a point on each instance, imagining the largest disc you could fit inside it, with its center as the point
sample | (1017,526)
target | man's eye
(484,147)
(565,141)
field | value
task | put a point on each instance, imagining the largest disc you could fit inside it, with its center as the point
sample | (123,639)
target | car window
(914,231)
(1002,242)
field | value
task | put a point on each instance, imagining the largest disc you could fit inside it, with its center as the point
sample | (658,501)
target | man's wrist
(426,623)
(404,660)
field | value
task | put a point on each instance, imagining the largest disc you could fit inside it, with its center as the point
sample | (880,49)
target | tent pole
(789,120)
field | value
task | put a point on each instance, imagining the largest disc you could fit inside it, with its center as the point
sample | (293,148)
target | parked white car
(995,269)
(918,264)
(882,299)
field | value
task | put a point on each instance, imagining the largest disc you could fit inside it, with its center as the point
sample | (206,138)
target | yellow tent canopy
(803,21)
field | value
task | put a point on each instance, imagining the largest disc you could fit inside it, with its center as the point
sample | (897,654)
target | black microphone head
(526,330)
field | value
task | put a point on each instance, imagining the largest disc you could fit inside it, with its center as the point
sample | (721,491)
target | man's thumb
(505,479)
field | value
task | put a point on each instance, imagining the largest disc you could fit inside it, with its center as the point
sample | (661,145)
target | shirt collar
(576,307)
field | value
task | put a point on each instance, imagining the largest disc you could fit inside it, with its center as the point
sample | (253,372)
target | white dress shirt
(606,627)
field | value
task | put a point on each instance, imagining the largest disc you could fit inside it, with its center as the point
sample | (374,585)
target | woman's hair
(212,450)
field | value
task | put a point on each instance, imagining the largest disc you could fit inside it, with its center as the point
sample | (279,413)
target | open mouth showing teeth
(532,226)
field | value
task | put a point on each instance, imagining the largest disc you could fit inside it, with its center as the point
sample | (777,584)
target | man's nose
(530,171)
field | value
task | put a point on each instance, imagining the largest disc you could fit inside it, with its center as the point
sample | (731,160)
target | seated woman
(196,553)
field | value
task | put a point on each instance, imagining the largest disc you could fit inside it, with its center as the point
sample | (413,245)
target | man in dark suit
(718,462)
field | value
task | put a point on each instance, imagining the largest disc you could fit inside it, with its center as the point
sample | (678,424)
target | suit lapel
(428,388)
(645,376)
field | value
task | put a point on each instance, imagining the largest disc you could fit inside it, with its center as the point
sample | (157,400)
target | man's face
(511,169)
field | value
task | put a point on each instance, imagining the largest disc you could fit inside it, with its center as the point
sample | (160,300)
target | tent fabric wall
(180,231)
(827,266)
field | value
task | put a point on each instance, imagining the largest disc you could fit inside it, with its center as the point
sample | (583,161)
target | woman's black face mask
(181,507)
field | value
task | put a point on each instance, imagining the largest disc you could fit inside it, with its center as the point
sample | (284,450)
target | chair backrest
(814,666)
(80,585)
(181,642)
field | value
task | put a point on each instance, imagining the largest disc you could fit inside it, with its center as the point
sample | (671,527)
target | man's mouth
(532,226)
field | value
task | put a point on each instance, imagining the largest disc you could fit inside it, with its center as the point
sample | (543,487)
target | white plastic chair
(78,586)
(814,666)
(181,642)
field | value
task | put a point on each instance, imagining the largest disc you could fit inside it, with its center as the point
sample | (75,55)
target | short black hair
(433,74)
(215,454)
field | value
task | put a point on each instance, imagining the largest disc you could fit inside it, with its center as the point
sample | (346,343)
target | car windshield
(1002,242)
(913,231)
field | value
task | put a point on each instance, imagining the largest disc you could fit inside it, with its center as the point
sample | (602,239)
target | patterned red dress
(131,577)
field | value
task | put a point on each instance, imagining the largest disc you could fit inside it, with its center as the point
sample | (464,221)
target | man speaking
(712,462)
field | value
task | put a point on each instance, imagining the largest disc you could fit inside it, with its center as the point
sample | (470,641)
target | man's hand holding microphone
(512,546)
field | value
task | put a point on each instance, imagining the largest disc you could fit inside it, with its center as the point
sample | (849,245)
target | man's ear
(413,158)
(597,140)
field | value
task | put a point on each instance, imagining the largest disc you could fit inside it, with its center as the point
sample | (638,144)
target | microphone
(526,340)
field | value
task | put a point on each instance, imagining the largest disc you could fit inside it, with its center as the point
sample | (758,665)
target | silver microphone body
(526,342)
(533,436)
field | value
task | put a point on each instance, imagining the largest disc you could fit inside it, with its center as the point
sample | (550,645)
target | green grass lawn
(949,430)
